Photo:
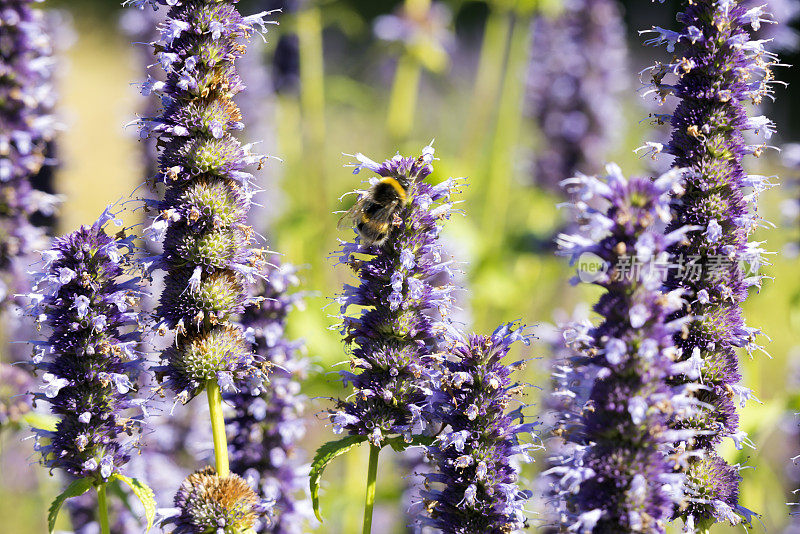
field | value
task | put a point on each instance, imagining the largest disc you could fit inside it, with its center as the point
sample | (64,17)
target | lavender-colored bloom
(576,73)
(207,503)
(618,474)
(266,431)
(15,402)
(719,70)
(27,126)
(474,487)
(394,333)
(207,258)
(777,27)
(86,298)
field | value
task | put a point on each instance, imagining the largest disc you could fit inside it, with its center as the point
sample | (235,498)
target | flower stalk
(102,508)
(218,428)
(369,498)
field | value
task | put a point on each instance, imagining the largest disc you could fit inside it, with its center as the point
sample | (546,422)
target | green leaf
(399,443)
(324,455)
(77,488)
(144,494)
(41,421)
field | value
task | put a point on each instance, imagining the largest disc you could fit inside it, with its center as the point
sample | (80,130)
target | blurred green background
(342,105)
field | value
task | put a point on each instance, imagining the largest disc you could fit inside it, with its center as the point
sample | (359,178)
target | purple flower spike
(266,431)
(27,125)
(576,73)
(475,486)
(616,473)
(85,298)
(394,333)
(718,70)
(202,219)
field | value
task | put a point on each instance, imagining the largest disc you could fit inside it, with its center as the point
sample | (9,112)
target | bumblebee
(373,214)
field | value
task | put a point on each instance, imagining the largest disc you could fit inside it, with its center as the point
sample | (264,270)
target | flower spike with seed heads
(202,219)
(86,298)
(615,472)
(717,71)
(207,503)
(394,334)
(475,484)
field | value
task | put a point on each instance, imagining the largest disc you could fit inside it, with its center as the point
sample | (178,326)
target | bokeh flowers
(267,427)
(576,76)
(27,125)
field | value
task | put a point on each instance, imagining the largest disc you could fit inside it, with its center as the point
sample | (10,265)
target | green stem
(218,428)
(312,106)
(487,82)
(369,499)
(501,167)
(102,508)
(312,94)
(403,102)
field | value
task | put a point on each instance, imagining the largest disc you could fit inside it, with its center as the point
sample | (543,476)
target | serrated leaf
(322,458)
(77,488)
(399,443)
(41,421)
(143,493)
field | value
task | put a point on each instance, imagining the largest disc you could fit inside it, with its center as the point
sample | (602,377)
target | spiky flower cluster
(575,76)
(85,298)
(619,475)
(394,332)
(14,399)
(718,70)
(475,486)
(202,219)
(207,503)
(267,427)
(27,125)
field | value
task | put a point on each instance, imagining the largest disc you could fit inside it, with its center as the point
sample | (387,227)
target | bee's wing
(351,214)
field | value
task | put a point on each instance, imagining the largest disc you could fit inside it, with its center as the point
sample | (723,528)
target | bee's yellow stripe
(397,187)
